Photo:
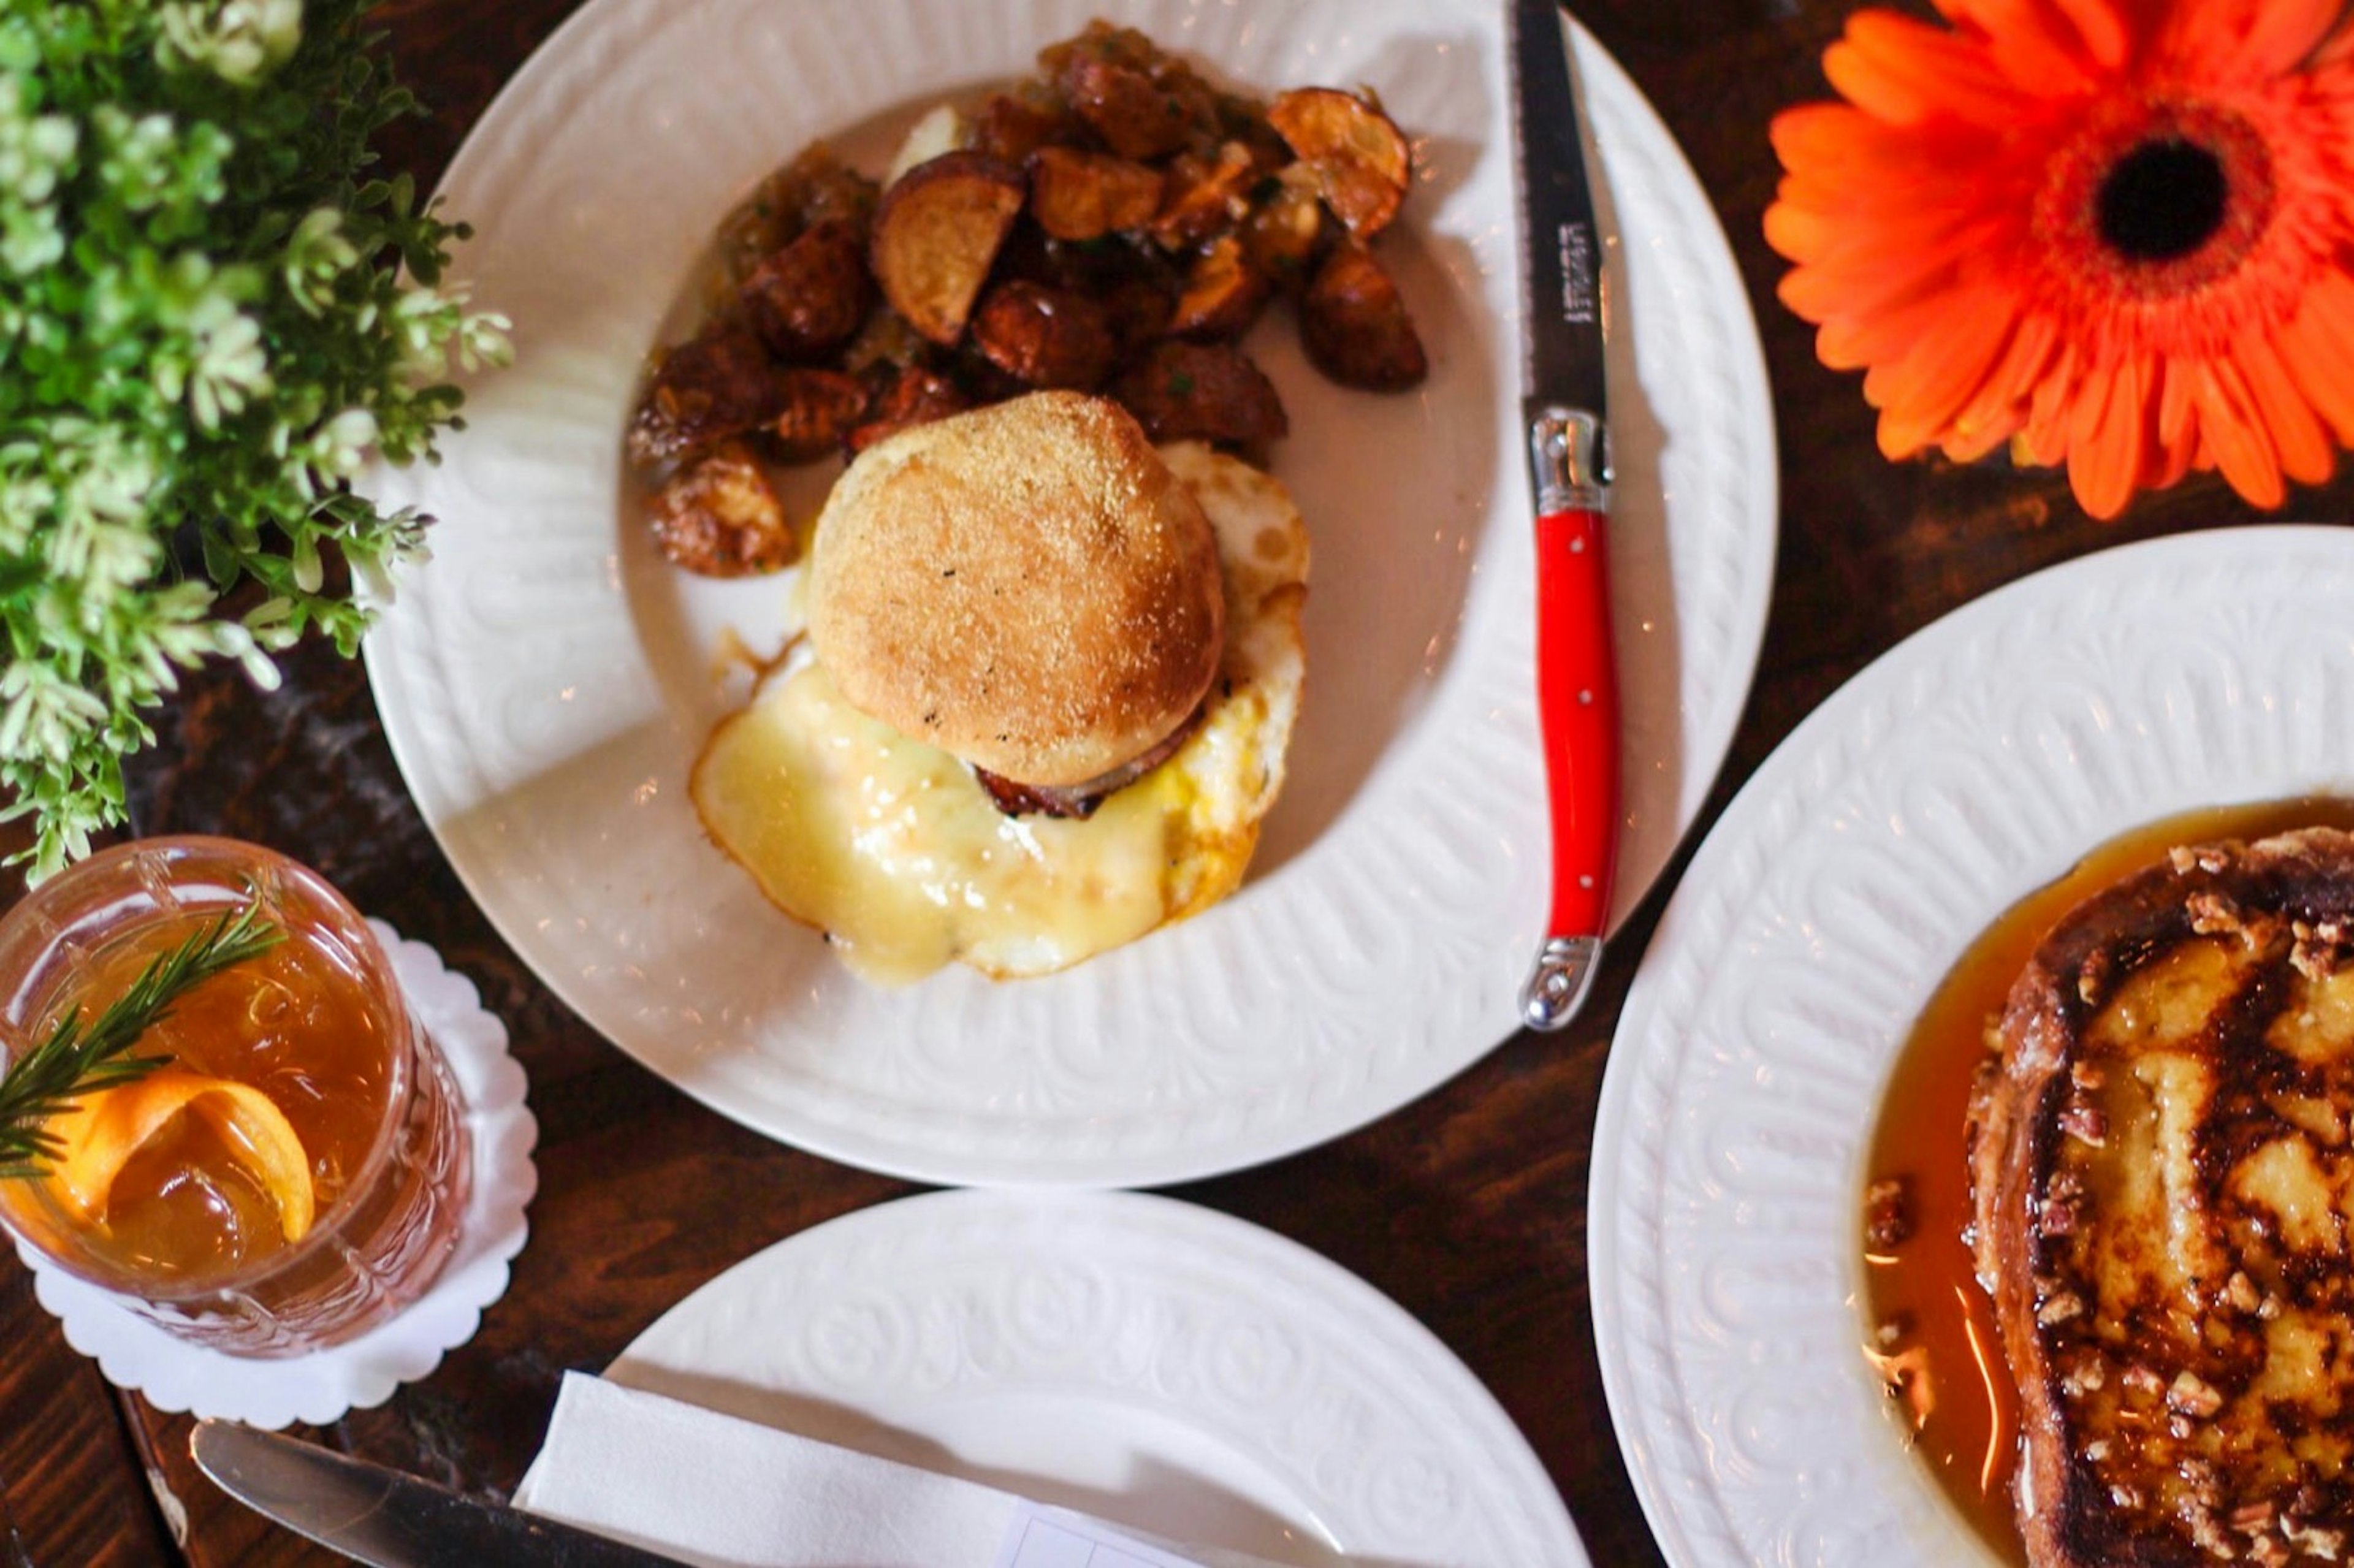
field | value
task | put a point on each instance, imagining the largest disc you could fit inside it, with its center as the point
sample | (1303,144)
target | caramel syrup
(1936,1338)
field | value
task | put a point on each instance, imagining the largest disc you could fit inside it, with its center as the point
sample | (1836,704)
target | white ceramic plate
(546,681)
(1153,1363)
(1974,762)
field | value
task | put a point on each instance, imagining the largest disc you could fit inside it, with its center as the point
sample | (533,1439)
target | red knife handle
(1577,706)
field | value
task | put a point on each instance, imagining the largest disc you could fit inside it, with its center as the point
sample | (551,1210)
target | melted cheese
(893,849)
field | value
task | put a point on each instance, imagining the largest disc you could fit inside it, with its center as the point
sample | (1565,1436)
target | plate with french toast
(774,689)
(1972,1181)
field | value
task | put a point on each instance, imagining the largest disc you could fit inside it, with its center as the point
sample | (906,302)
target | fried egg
(892,848)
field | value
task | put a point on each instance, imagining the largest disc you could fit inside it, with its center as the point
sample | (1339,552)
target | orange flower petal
(1838,136)
(2036,44)
(2108,436)
(2001,407)
(1888,270)
(1849,342)
(2108,29)
(2045,434)
(2234,433)
(2170,457)
(2245,40)
(2317,350)
(1820,293)
(2178,406)
(1921,393)
(1908,73)
(2338,47)
(2297,434)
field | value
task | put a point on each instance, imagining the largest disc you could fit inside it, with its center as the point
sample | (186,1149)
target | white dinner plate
(1976,762)
(1155,1365)
(546,681)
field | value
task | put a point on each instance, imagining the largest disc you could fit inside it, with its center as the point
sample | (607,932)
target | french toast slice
(2163,1189)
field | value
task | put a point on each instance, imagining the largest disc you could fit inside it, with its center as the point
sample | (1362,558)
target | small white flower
(307,571)
(238,40)
(23,498)
(340,449)
(44,711)
(483,339)
(316,254)
(421,324)
(230,363)
(34,149)
(137,161)
(234,641)
(116,478)
(30,240)
(105,558)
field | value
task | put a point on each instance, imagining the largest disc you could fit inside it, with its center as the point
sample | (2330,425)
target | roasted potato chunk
(936,233)
(821,407)
(1361,158)
(1224,292)
(720,516)
(1242,117)
(886,340)
(1141,102)
(914,397)
(813,189)
(1085,196)
(1135,118)
(718,385)
(1205,195)
(1356,327)
(811,297)
(1140,308)
(1286,229)
(1201,391)
(1013,125)
(1045,337)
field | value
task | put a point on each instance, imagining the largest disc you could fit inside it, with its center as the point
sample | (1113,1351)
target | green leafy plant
(210,311)
(75,1058)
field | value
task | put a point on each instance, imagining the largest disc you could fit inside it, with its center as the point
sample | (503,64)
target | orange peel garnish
(105,1129)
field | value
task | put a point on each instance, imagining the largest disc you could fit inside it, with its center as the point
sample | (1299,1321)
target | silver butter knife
(381,1516)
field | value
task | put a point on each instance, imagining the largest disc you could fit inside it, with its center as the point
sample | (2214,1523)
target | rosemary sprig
(74,1061)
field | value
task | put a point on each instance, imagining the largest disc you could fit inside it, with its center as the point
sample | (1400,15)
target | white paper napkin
(726,1493)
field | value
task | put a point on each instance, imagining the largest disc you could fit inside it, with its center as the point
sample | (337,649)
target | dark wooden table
(1467,1207)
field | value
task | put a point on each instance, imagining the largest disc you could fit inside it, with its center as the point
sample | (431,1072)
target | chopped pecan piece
(1887,1214)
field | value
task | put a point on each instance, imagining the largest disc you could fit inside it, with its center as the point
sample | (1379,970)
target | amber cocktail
(299,1172)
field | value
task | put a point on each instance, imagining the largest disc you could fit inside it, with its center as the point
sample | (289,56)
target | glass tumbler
(194,1227)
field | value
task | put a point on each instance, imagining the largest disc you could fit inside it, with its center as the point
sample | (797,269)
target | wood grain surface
(1468,1207)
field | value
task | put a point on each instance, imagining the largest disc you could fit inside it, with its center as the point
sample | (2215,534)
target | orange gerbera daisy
(2117,233)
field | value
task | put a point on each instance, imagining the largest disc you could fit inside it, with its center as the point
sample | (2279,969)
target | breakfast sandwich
(1043,708)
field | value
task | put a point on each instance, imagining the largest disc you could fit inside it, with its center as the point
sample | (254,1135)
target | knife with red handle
(1565,324)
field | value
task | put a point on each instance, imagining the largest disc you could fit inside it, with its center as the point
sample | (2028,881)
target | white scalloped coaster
(135,1353)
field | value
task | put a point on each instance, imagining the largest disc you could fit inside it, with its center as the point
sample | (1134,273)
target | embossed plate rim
(2140,680)
(749,1329)
(1379,960)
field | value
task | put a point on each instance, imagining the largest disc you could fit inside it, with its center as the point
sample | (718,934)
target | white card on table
(1054,1538)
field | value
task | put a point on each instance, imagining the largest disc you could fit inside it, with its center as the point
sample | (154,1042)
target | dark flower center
(2147,200)
(2163,200)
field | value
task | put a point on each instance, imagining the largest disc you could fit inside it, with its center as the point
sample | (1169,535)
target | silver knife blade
(1561,262)
(384,1518)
